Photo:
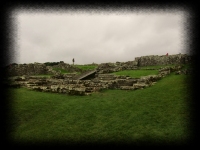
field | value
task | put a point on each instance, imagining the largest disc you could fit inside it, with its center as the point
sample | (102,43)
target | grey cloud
(96,38)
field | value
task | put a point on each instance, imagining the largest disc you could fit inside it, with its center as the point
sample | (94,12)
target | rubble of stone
(58,75)
(68,67)
(79,87)
(118,66)
(69,86)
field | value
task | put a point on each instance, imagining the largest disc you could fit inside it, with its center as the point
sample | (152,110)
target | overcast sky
(96,37)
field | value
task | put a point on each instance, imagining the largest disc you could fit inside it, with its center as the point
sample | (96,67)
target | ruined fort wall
(68,67)
(27,69)
(162,60)
(39,68)
(151,60)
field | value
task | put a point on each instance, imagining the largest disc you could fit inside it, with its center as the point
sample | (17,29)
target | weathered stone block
(127,87)
(140,85)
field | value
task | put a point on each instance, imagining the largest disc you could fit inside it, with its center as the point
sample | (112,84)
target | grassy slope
(157,66)
(137,73)
(61,70)
(83,67)
(143,72)
(159,113)
(86,67)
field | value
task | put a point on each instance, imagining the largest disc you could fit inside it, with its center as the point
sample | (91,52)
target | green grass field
(143,72)
(159,113)
(86,67)
(156,67)
(136,73)
(185,66)
(83,67)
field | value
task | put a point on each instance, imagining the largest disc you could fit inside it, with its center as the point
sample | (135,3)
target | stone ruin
(144,61)
(38,68)
(100,78)
(27,69)
(86,87)
(163,60)
(118,66)
(65,66)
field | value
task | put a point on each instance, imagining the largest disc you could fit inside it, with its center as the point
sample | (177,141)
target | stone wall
(39,68)
(144,61)
(163,60)
(118,66)
(68,67)
(27,69)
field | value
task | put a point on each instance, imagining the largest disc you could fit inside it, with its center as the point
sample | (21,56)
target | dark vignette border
(7,27)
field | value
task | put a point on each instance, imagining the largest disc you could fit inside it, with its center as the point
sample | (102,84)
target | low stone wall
(86,87)
(78,87)
(68,67)
(68,76)
(38,68)
(118,66)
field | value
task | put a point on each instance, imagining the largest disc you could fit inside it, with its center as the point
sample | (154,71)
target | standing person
(73,61)
(167,54)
